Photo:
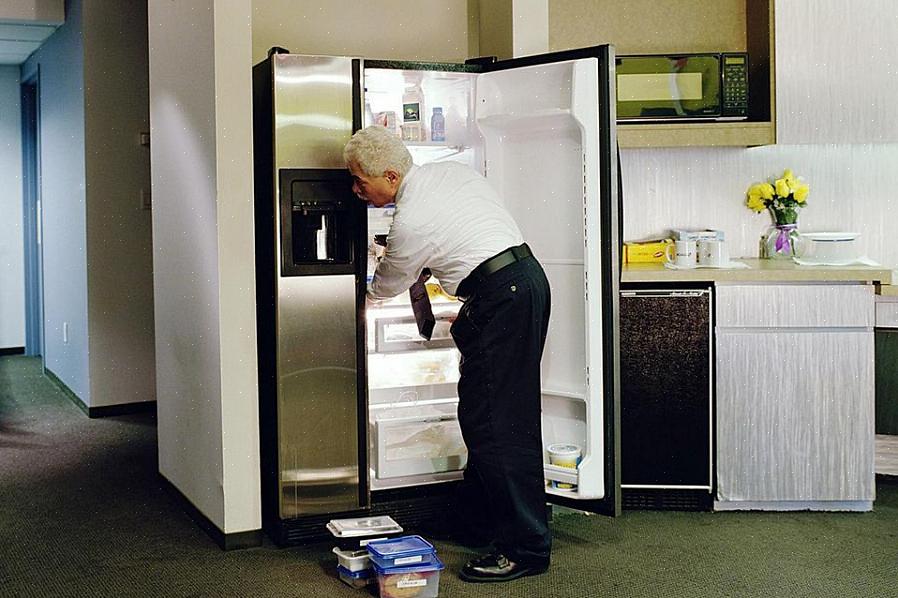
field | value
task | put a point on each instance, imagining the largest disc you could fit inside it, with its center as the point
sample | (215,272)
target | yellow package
(652,251)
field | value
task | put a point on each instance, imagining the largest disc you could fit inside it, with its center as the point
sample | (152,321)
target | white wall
(12,257)
(61,64)
(435,30)
(119,233)
(852,188)
(201,119)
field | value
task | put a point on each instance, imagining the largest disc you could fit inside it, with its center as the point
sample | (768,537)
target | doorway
(32,225)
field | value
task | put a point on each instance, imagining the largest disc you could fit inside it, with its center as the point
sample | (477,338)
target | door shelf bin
(564,475)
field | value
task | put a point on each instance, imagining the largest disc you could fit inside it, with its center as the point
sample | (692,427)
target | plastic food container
(353,560)
(353,534)
(414,581)
(356,579)
(401,552)
(564,455)
(828,249)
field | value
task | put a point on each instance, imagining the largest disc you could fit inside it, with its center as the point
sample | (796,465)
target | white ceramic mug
(712,252)
(684,253)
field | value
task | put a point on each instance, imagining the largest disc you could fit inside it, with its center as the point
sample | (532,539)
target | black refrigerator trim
(610,263)
(263,157)
(361,288)
(409,65)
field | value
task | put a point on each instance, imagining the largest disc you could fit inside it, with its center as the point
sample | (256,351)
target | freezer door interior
(540,127)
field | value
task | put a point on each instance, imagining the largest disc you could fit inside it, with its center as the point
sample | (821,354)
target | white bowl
(837,248)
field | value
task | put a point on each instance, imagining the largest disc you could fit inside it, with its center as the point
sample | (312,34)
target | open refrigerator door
(540,130)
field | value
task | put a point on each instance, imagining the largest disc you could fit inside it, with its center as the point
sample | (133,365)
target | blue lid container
(362,574)
(434,564)
(401,552)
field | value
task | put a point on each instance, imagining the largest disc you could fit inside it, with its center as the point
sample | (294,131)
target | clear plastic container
(415,581)
(353,560)
(356,579)
(402,551)
(353,534)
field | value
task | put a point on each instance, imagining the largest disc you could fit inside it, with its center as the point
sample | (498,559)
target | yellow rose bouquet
(782,199)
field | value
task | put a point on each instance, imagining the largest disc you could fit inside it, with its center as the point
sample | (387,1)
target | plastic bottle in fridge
(437,125)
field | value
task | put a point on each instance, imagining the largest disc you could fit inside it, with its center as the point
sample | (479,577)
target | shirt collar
(404,184)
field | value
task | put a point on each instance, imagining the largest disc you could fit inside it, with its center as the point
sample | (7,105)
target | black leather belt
(472,281)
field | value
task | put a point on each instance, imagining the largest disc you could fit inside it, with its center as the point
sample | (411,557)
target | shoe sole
(473,579)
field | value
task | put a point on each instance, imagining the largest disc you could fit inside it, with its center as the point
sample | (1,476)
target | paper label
(365,542)
(409,559)
(411,583)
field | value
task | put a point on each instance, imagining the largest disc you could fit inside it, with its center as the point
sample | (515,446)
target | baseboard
(232,541)
(794,505)
(121,409)
(12,351)
(105,410)
(66,391)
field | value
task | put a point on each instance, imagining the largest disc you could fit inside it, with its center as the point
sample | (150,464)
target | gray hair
(376,150)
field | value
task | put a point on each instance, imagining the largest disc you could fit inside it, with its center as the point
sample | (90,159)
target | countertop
(763,271)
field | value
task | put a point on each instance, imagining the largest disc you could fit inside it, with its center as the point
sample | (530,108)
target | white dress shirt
(449,219)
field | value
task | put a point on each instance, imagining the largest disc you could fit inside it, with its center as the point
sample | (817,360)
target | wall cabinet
(835,65)
(795,388)
(680,26)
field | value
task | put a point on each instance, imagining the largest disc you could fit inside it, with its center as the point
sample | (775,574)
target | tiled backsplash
(853,188)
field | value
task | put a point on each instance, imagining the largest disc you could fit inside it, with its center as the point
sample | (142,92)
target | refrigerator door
(549,148)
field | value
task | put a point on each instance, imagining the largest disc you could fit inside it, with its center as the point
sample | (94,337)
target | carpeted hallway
(82,514)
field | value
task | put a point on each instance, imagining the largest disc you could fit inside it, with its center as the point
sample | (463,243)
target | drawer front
(797,306)
(887,314)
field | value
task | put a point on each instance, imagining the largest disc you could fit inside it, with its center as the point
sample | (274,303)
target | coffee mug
(712,253)
(684,253)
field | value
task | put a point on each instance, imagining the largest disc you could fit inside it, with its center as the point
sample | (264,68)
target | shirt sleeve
(407,253)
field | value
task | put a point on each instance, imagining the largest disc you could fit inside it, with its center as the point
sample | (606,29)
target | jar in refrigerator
(412,110)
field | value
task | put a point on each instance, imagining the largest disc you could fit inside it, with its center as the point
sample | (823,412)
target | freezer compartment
(417,439)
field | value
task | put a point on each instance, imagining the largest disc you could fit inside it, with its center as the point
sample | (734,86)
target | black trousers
(500,332)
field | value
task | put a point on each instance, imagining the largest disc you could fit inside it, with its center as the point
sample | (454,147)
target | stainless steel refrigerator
(358,414)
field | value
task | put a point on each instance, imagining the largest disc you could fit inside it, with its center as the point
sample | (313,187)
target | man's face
(376,191)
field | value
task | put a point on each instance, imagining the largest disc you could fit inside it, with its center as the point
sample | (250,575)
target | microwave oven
(682,87)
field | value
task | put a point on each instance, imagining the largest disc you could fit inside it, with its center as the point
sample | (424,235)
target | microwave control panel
(734,79)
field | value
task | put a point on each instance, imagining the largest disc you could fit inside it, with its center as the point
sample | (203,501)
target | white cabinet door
(794,415)
(835,71)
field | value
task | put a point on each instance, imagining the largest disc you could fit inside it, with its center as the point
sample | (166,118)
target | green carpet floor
(82,514)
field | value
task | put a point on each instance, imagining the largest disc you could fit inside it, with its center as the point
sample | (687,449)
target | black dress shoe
(496,567)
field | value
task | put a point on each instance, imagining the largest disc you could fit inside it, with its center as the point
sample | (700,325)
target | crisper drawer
(419,440)
(797,306)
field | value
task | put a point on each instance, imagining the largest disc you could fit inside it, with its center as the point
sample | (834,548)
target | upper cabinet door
(836,80)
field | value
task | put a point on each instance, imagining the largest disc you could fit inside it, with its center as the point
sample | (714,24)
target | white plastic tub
(828,249)
(353,560)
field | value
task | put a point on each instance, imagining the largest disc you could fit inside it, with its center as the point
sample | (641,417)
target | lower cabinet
(795,396)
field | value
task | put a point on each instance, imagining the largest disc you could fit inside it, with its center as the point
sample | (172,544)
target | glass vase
(780,241)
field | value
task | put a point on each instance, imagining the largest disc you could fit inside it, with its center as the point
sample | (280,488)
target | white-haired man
(449,219)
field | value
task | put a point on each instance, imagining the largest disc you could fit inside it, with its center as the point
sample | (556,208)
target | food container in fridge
(401,552)
(414,581)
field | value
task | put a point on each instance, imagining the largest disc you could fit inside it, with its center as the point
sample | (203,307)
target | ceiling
(19,40)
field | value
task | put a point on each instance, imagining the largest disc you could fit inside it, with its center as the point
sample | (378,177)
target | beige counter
(761,271)
(889,290)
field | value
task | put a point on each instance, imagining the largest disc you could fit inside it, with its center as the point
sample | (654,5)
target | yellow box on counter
(646,251)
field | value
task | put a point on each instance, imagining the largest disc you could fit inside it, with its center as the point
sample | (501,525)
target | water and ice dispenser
(319,222)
